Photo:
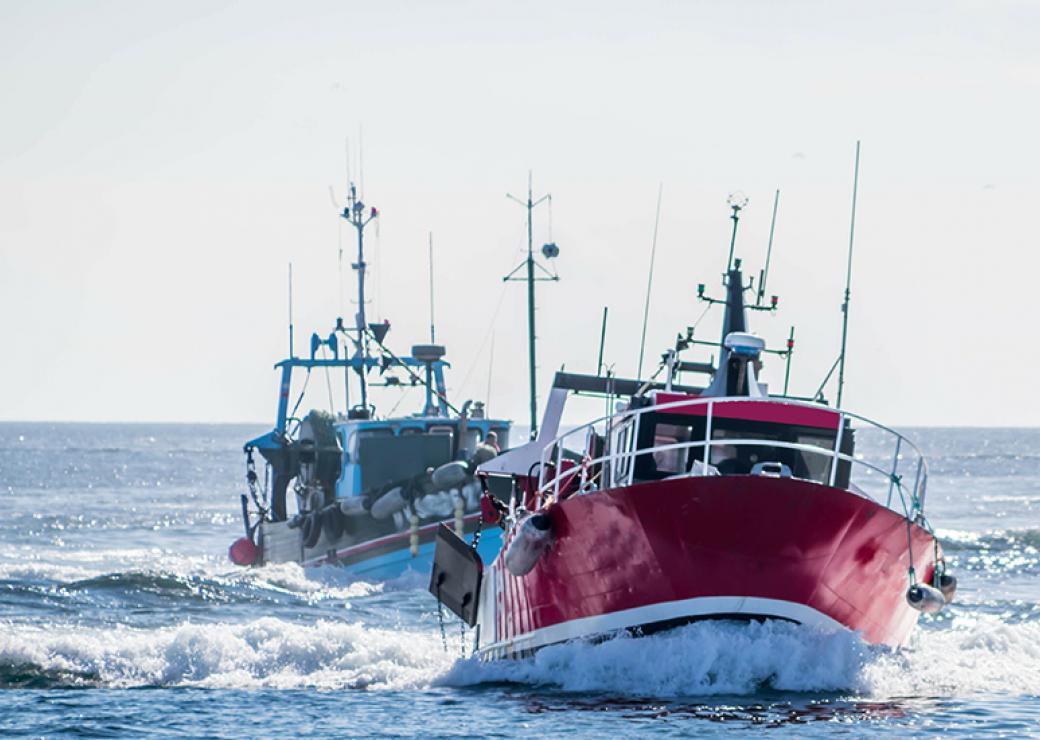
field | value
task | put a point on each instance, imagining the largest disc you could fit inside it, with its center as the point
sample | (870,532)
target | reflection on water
(769,710)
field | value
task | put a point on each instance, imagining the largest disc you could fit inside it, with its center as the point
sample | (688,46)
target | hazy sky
(161,163)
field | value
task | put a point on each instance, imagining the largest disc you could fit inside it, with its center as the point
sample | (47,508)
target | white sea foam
(712,658)
(709,658)
(268,652)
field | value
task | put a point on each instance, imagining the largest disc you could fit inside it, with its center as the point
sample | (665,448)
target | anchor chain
(440,617)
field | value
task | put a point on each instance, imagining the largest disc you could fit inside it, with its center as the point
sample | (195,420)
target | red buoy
(243,551)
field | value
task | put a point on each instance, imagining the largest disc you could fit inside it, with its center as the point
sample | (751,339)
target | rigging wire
(491,371)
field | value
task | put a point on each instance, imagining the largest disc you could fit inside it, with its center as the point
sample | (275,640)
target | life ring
(310,528)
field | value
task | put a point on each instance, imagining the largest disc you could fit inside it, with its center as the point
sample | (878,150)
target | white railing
(617,465)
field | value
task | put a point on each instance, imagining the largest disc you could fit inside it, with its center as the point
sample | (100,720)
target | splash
(265,653)
(723,658)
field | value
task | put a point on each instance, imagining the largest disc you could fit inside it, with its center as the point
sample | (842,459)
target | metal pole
(530,310)
(790,351)
(769,251)
(848,282)
(290,313)
(433,338)
(733,238)
(649,281)
(361,320)
(602,342)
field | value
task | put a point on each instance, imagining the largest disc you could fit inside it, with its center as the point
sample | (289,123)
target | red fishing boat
(687,502)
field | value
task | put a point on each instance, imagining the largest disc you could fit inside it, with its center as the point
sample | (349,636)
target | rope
(483,343)
(306,380)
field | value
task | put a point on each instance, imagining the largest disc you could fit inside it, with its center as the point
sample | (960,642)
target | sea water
(120,615)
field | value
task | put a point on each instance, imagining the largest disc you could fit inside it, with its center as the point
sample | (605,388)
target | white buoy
(948,586)
(925,599)
(533,539)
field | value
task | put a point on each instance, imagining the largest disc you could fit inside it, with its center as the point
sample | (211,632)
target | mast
(549,250)
(354,214)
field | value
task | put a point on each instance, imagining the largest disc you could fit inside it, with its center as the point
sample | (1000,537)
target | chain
(476,532)
(462,639)
(440,617)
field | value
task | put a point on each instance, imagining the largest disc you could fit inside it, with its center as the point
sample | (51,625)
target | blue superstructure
(369,490)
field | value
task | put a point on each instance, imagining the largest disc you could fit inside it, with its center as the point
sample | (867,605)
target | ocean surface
(120,615)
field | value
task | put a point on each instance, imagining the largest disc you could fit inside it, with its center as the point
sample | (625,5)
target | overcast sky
(161,163)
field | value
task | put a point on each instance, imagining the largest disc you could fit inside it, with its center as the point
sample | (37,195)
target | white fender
(925,599)
(948,586)
(533,539)
(389,503)
(450,475)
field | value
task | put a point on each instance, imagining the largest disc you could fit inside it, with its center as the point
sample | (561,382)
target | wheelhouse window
(744,456)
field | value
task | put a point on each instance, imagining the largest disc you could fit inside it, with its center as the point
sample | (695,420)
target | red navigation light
(774,300)
(790,344)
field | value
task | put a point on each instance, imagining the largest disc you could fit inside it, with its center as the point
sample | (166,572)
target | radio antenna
(602,342)
(433,333)
(649,280)
(848,282)
(764,275)
(291,353)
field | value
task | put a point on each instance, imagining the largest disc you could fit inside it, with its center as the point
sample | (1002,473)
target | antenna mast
(649,281)
(290,314)
(433,334)
(848,281)
(354,214)
(550,251)
(764,275)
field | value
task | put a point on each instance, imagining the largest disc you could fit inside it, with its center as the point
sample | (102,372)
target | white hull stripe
(704,606)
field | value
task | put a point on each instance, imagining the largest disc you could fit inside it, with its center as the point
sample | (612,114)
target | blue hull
(395,564)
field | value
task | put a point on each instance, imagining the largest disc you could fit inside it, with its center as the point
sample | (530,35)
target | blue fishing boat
(354,488)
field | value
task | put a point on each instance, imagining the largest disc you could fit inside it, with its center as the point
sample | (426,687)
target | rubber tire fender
(311,529)
(332,522)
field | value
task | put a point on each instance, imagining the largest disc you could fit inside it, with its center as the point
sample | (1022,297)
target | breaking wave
(702,659)
(268,652)
(725,658)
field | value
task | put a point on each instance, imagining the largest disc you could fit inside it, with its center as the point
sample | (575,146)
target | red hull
(674,550)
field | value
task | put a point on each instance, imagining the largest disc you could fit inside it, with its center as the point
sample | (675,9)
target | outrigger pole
(848,282)
(549,250)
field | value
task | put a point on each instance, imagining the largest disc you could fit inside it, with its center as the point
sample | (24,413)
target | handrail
(623,461)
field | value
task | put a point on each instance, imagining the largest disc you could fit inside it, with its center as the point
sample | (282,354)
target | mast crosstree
(354,214)
(550,251)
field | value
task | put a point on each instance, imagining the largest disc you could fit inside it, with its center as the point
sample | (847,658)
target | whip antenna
(602,342)
(433,334)
(649,281)
(764,275)
(848,281)
(290,313)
